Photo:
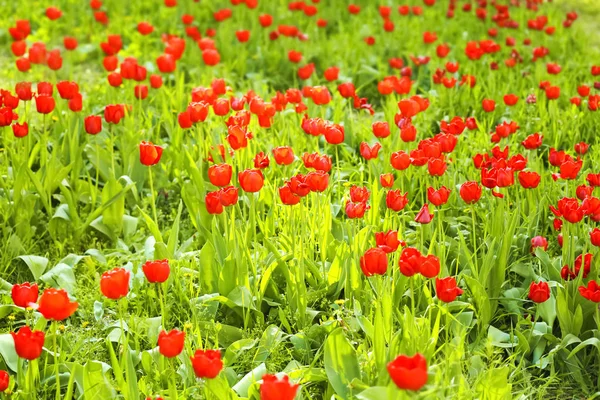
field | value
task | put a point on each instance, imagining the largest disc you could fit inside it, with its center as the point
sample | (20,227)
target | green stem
(56,358)
(161,300)
(154,215)
(474,240)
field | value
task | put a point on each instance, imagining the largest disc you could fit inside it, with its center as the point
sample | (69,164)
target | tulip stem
(56,358)
(154,215)
(474,240)
(412,296)
(172,380)
(44,148)
(161,300)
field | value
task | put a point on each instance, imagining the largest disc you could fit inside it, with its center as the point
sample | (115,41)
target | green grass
(277,288)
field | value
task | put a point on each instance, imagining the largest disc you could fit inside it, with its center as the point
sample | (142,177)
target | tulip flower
(207,363)
(114,284)
(54,304)
(409,373)
(171,344)
(24,294)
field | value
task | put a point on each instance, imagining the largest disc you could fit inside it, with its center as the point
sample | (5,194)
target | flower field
(318,199)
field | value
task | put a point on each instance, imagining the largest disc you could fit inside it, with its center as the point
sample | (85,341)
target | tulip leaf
(95,384)
(60,277)
(376,393)
(7,351)
(37,265)
(244,384)
(341,363)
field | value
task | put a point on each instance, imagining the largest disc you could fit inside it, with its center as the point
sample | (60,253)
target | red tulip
(24,294)
(274,388)
(552,92)
(424,216)
(228,196)
(251,180)
(317,181)
(331,73)
(569,209)
(283,155)
(529,180)
(54,304)
(591,292)
(570,169)
(213,203)
(93,124)
(156,271)
(171,344)
(70,43)
(511,99)
(386,180)
(20,130)
(67,90)
(539,292)
(395,200)
(4,380)
(113,113)
(388,241)
(242,36)
(53,13)
(265,20)
(539,241)
(211,57)
(28,344)
(359,194)
(44,103)
(436,166)
(488,105)
(347,90)
(430,266)
(156,81)
(207,363)
(261,160)
(76,103)
(381,129)
(287,196)
(149,153)
(581,148)
(220,174)
(409,373)
(400,160)
(410,261)
(374,261)
(114,284)
(595,237)
(353,9)
(446,289)
(532,141)
(140,92)
(470,192)
(438,197)
(356,210)
(409,108)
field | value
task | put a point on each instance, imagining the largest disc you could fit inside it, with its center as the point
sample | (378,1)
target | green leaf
(61,277)
(341,363)
(590,342)
(244,384)
(95,384)
(112,215)
(234,349)
(271,337)
(37,265)
(7,351)
(376,393)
